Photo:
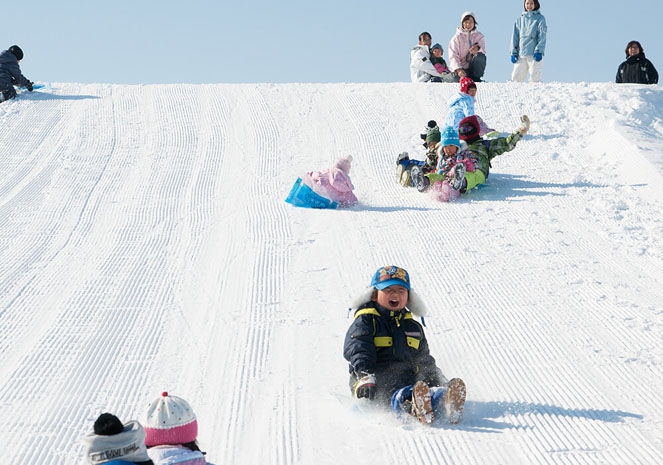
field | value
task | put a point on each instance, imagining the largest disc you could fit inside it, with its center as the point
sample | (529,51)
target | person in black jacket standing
(636,69)
(390,362)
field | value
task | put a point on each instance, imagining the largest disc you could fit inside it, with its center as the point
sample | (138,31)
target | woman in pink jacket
(467,49)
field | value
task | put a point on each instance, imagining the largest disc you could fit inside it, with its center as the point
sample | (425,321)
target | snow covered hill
(145,245)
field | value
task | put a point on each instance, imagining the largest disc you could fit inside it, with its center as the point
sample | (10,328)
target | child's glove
(524,127)
(29,86)
(365,385)
(537,56)
(514,58)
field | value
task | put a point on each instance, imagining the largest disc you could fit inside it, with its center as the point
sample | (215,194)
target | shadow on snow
(481,416)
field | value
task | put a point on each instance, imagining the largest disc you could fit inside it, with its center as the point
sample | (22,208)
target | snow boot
(403,159)
(419,181)
(459,176)
(403,176)
(422,403)
(454,401)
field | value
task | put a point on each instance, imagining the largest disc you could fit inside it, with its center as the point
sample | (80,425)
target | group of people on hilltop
(467,53)
(467,50)
(167,435)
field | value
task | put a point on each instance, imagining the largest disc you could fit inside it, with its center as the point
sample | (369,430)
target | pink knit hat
(169,420)
(344,164)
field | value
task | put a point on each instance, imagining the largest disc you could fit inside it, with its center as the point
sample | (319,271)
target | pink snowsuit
(334,183)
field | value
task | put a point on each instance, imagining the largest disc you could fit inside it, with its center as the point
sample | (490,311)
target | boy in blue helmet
(390,362)
(10,73)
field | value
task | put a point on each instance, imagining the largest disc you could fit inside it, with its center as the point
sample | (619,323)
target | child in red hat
(461,105)
(483,151)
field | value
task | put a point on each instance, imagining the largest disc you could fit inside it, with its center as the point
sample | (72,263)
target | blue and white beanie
(450,137)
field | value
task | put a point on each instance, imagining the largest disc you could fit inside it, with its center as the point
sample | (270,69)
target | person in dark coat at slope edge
(636,69)
(10,73)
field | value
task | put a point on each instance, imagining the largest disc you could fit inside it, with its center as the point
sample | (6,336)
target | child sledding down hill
(461,105)
(472,164)
(410,172)
(390,362)
(329,188)
(444,183)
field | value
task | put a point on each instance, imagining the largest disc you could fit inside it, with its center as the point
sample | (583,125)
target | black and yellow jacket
(393,346)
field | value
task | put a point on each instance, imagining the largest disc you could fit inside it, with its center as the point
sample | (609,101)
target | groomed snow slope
(145,246)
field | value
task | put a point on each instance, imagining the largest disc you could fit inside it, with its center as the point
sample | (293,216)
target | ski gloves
(537,57)
(365,386)
(524,127)
(28,85)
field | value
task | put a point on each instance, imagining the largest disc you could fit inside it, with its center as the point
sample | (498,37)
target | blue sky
(204,41)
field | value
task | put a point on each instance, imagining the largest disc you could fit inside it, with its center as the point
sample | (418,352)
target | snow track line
(53,267)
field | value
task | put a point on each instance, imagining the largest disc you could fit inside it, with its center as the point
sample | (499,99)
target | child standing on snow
(115,443)
(482,152)
(171,430)
(390,363)
(461,105)
(10,73)
(528,43)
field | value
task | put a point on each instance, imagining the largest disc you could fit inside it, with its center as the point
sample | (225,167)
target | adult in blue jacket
(528,43)
(10,73)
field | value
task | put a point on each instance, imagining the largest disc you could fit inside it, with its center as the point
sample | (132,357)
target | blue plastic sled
(302,195)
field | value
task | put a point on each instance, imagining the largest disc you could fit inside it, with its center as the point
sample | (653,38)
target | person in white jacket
(421,69)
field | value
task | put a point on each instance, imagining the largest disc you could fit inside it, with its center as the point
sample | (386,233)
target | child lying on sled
(328,188)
